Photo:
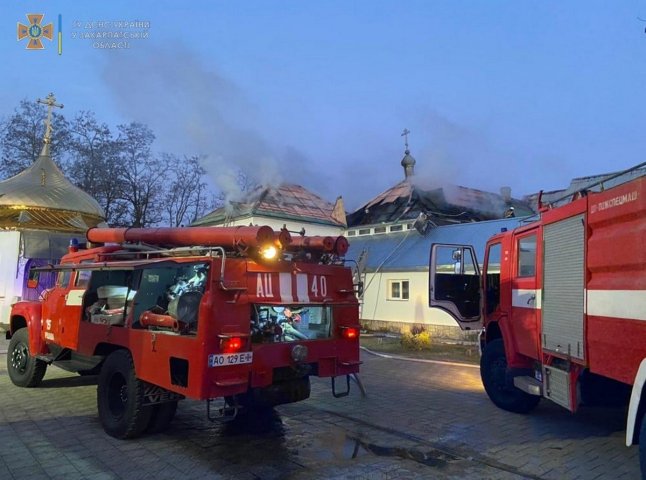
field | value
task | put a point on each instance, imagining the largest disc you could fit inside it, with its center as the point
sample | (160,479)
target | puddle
(431,458)
(330,445)
(337,445)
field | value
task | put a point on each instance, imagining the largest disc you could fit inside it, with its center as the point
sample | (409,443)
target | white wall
(377,306)
(10,287)
(311,229)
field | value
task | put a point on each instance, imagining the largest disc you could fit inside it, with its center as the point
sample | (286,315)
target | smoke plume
(193,109)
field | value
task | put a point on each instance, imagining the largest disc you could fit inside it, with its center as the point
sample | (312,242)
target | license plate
(226,359)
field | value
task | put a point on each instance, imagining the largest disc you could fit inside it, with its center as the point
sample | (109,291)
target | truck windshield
(290,323)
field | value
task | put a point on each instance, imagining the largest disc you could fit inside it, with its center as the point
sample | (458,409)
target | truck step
(529,385)
(48,359)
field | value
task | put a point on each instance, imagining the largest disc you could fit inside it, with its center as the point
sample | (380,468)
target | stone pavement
(418,421)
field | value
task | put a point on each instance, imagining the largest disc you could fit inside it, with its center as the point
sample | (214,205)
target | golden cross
(50,101)
(405,135)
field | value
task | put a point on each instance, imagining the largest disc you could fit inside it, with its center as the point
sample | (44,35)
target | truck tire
(24,370)
(493,368)
(161,417)
(120,396)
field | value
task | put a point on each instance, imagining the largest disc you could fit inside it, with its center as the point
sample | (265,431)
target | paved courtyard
(418,420)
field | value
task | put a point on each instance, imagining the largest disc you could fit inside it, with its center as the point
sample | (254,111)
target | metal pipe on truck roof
(233,237)
(337,245)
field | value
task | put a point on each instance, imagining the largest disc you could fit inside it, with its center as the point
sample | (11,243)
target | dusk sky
(518,93)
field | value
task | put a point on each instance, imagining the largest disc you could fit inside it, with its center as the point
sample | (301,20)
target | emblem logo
(35,31)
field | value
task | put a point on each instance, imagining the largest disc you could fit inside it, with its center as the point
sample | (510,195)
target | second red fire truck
(562,305)
(242,314)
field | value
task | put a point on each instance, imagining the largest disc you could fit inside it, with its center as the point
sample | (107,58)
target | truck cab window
(82,278)
(492,278)
(108,298)
(527,256)
(63,278)
(457,279)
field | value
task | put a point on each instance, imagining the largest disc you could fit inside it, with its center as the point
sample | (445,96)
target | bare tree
(246,185)
(21,137)
(142,173)
(134,187)
(186,194)
(94,165)
(246,182)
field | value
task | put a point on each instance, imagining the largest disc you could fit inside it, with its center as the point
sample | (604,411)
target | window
(364,231)
(351,233)
(82,278)
(455,260)
(396,228)
(63,278)
(174,290)
(380,229)
(492,278)
(290,323)
(456,278)
(527,256)
(398,290)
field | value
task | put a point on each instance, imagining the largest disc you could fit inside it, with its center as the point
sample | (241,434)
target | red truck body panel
(616,280)
(614,269)
(188,362)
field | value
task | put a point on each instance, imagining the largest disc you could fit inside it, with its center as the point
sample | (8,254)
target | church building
(391,236)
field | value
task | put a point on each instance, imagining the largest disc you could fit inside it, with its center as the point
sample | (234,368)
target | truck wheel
(161,417)
(24,370)
(493,369)
(120,397)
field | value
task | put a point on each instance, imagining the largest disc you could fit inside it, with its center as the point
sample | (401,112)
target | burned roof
(287,201)
(444,205)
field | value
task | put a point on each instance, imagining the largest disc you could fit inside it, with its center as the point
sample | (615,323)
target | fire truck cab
(204,313)
(560,304)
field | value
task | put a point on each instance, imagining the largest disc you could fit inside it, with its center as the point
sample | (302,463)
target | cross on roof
(405,135)
(50,101)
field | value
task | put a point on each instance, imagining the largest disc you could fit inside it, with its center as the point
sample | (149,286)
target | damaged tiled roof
(444,205)
(286,201)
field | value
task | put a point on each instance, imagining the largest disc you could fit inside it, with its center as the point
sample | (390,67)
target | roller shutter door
(563,287)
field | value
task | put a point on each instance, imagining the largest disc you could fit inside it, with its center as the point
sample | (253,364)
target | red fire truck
(242,314)
(562,303)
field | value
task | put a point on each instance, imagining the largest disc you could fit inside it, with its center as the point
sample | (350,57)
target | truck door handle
(531,299)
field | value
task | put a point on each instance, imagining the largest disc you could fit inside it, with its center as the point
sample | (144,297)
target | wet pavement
(417,421)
